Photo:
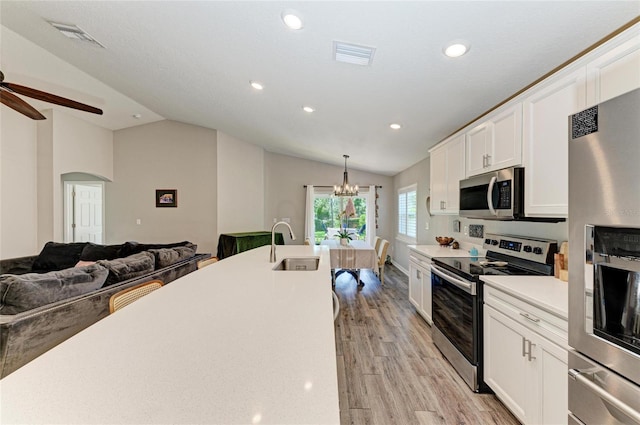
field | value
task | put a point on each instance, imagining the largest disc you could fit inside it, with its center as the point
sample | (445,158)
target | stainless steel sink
(297,264)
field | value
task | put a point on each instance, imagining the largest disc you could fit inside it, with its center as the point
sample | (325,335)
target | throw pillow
(168,256)
(126,268)
(94,252)
(58,256)
(25,292)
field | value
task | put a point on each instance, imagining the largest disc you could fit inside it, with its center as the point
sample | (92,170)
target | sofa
(49,297)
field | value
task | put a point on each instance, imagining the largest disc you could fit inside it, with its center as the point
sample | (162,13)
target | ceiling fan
(8,97)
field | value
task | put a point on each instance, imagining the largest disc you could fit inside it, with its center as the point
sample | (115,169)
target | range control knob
(494,242)
(537,250)
(487,241)
(527,248)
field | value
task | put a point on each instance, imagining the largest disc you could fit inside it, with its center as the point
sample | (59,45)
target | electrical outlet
(138,221)
(426,226)
(456,226)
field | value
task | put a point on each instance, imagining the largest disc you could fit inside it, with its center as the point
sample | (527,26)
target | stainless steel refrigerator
(604,262)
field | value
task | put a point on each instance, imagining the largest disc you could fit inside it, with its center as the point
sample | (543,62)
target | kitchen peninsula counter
(232,343)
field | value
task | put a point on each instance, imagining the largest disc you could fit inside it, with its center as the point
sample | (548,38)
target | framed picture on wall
(166,198)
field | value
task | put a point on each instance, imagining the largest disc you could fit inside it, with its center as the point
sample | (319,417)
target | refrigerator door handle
(582,378)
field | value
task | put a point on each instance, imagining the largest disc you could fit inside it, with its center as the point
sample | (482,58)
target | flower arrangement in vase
(343,233)
(344,236)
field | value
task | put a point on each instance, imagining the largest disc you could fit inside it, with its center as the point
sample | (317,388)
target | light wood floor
(389,371)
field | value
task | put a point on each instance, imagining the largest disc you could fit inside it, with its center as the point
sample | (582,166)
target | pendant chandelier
(346,189)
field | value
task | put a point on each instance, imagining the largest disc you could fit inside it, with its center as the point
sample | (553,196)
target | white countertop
(432,251)
(233,343)
(546,292)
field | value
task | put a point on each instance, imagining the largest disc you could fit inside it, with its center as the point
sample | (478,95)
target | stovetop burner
(471,268)
(524,256)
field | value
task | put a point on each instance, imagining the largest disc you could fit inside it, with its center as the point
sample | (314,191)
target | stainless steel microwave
(498,195)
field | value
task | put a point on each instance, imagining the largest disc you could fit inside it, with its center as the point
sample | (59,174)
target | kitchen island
(235,343)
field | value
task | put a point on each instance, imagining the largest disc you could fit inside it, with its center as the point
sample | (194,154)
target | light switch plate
(476,230)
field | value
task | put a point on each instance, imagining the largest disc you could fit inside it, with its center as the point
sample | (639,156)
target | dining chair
(129,295)
(207,262)
(382,258)
(376,243)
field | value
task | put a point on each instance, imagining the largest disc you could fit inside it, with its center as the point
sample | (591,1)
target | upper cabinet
(447,169)
(614,73)
(546,144)
(495,143)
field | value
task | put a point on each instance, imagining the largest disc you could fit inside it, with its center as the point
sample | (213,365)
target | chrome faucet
(272,256)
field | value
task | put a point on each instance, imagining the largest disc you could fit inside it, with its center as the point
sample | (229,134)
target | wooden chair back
(129,295)
(207,262)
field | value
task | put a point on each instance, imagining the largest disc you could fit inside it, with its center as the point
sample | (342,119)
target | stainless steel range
(457,296)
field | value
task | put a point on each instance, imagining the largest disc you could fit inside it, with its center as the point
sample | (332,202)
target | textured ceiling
(192,62)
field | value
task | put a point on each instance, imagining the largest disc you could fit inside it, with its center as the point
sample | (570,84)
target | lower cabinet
(526,370)
(420,284)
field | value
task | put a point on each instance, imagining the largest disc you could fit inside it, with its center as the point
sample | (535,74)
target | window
(327,211)
(407,223)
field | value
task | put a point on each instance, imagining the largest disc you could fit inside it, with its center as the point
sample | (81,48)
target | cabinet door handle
(484,161)
(524,344)
(418,274)
(488,160)
(529,352)
(444,205)
(531,318)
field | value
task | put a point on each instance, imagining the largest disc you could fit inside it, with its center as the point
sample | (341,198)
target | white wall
(240,185)
(163,155)
(78,147)
(285,195)
(18,185)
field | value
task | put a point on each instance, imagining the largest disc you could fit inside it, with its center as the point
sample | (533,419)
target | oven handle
(603,394)
(490,195)
(468,287)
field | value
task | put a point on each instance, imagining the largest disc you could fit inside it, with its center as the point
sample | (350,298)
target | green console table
(232,243)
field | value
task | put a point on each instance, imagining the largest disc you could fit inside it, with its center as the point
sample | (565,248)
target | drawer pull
(533,319)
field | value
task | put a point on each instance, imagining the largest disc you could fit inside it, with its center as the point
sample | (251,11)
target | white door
(86,220)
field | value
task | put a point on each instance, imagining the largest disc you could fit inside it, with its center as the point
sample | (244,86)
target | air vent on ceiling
(75,33)
(353,53)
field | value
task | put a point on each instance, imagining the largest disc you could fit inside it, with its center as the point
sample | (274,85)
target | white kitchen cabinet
(420,284)
(615,72)
(447,169)
(546,143)
(496,143)
(525,358)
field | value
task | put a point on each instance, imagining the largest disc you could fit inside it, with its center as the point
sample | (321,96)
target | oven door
(455,311)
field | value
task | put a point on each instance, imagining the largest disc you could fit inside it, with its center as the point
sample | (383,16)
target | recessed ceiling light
(256,85)
(292,20)
(137,116)
(395,126)
(456,49)
(308,109)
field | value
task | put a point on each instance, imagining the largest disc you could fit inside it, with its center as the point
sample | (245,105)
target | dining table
(353,257)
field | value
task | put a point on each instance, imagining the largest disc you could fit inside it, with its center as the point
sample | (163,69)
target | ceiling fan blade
(14,102)
(51,98)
